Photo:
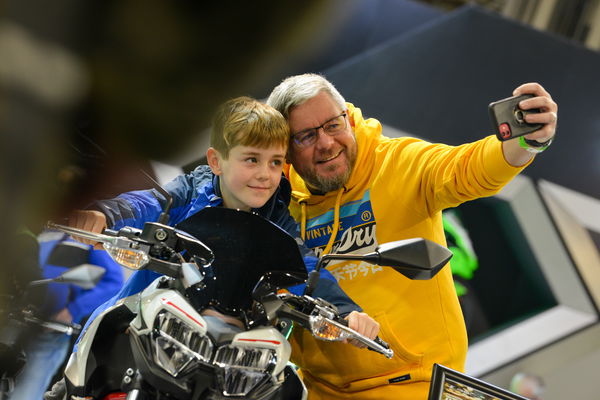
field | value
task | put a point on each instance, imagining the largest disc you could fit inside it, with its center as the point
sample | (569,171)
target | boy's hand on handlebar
(63,316)
(363,324)
(89,220)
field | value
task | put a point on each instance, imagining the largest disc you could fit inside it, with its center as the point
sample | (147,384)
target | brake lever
(378,345)
(98,237)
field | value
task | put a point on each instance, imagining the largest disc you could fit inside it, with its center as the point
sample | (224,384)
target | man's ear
(350,119)
(213,157)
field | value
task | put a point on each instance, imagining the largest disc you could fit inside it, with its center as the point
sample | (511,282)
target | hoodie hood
(368,135)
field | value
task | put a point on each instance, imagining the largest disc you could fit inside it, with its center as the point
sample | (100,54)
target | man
(349,179)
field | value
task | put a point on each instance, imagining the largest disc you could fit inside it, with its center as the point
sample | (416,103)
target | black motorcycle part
(292,388)
(109,356)
(68,254)
(13,337)
(239,238)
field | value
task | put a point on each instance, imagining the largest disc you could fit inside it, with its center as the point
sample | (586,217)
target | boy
(248,147)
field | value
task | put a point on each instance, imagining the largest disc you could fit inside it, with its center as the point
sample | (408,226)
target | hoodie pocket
(387,334)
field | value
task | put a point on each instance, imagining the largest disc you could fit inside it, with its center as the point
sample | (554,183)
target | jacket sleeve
(327,288)
(137,207)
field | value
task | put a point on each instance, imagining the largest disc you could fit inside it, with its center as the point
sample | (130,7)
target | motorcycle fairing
(259,246)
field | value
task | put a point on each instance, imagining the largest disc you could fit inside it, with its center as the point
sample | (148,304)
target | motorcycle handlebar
(69,329)
(378,345)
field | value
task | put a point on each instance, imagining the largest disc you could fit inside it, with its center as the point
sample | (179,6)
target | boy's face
(250,175)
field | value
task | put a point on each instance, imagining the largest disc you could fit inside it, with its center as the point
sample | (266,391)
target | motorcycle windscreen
(245,247)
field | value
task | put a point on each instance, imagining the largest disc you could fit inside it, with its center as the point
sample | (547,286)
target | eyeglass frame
(316,129)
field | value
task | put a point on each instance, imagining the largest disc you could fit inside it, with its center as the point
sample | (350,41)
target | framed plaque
(448,384)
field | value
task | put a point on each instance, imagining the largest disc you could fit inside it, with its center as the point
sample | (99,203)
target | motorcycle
(21,321)
(214,325)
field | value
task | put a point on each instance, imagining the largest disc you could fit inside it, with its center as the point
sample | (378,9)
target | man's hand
(89,220)
(362,324)
(514,154)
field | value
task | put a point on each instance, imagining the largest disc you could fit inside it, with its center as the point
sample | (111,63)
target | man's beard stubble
(321,185)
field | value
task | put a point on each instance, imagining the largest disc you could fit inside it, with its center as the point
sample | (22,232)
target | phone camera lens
(519,116)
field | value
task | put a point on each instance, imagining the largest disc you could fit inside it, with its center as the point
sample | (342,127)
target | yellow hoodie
(397,191)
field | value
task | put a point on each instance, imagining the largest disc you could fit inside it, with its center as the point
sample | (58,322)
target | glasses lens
(335,125)
(306,138)
(309,137)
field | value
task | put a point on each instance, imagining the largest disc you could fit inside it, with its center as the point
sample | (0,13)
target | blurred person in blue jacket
(65,303)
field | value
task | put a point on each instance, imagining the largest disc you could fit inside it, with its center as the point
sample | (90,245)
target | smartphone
(509,120)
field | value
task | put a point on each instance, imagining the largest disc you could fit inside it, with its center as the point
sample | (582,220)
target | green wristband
(532,148)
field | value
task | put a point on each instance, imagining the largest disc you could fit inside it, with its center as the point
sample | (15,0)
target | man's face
(327,164)
(250,175)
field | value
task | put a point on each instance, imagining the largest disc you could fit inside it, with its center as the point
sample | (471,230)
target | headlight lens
(240,370)
(171,355)
(176,344)
(243,368)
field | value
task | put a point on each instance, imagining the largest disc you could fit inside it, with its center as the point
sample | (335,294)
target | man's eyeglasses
(308,137)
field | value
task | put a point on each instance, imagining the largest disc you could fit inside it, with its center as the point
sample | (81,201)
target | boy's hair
(247,122)
(295,90)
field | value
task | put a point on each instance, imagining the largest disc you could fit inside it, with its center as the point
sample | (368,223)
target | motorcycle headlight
(177,345)
(244,369)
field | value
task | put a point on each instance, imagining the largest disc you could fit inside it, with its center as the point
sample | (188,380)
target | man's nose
(323,140)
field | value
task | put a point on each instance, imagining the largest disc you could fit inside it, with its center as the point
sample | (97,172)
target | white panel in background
(574,310)
(165,172)
(585,208)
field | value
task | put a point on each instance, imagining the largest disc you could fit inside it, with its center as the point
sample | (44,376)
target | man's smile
(333,157)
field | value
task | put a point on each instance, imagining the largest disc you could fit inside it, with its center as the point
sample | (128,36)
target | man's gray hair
(295,90)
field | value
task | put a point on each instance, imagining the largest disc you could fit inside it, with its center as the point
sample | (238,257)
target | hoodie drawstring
(303,220)
(336,221)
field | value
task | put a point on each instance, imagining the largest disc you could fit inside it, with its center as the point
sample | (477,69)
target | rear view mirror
(85,276)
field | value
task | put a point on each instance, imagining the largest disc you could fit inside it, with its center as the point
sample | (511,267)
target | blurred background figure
(145,76)
(527,385)
(67,303)
(90,91)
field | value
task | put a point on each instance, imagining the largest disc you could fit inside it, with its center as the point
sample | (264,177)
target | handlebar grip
(377,339)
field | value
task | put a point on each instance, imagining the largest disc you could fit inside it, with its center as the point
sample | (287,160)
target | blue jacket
(191,193)
(80,302)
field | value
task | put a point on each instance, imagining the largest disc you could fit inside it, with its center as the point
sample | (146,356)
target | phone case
(509,120)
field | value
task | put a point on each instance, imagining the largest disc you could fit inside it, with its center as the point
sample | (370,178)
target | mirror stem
(40,282)
(313,276)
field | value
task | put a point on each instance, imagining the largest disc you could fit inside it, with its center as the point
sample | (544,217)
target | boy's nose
(263,172)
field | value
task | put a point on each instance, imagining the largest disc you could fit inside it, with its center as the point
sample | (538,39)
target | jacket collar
(282,193)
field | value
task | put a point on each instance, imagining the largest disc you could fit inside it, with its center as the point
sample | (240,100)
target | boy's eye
(277,163)
(251,160)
